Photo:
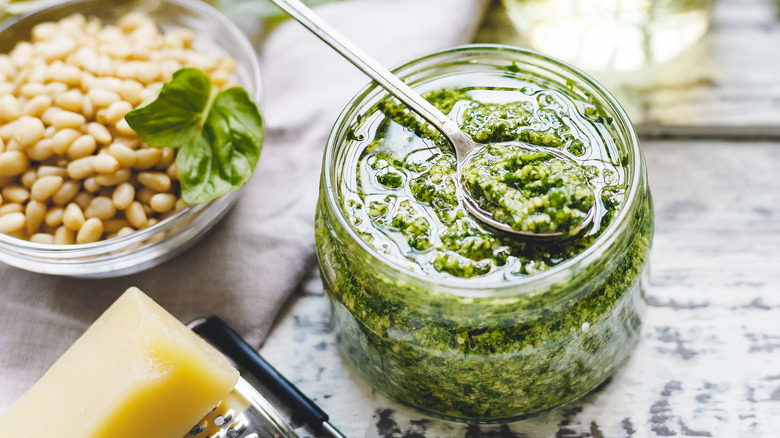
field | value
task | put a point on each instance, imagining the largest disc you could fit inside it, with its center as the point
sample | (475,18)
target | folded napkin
(249,265)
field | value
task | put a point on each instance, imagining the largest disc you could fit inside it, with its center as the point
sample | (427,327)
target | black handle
(216,331)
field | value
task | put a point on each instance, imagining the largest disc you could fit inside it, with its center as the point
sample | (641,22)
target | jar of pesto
(445,315)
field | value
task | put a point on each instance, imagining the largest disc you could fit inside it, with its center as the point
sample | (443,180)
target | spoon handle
(378,73)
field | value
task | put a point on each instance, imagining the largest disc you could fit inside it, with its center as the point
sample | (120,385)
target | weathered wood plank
(726,86)
(708,363)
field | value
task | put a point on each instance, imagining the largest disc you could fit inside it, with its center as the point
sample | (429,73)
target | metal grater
(244,413)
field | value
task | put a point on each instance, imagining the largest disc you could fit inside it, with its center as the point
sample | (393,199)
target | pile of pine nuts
(71,169)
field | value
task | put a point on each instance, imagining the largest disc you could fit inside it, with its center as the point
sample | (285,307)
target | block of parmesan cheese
(136,372)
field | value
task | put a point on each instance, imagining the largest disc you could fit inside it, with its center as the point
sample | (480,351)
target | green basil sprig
(219,134)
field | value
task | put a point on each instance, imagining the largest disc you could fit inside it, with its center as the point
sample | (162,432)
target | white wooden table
(708,362)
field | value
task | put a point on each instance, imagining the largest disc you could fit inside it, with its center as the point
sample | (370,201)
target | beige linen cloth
(248,266)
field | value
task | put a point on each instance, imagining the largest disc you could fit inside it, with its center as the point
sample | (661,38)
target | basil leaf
(219,134)
(224,156)
(178,112)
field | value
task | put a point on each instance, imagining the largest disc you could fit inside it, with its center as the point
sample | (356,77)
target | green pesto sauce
(491,358)
(405,203)
(528,190)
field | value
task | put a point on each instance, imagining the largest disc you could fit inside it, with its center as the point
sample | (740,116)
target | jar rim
(474,287)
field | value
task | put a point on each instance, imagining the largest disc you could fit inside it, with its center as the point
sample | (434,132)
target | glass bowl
(149,246)
(502,345)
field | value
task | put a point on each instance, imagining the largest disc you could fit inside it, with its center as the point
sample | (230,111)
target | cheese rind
(136,372)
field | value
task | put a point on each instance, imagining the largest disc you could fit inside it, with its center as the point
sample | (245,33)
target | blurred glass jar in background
(611,35)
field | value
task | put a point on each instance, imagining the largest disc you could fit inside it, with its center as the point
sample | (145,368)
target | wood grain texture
(726,86)
(708,362)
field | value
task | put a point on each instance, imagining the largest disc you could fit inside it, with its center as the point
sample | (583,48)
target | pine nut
(13,163)
(144,194)
(117,110)
(70,75)
(54,216)
(70,101)
(29,131)
(41,151)
(32,89)
(82,147)
(102,98)
(100,132)
(8,130)
(156,181)
(81,168)
(36,106)
(167,157)
(92,185)
(54,89)
(61,141)
(35,213)
(130,141)
(147,158)
(136,215)
(52,170)
(10,109)
(73,217)
(14,145)
(67,119)
(12,222)
(83,199)
(123,195)
(162,202)
(130,91)
(123,154)
(91,231)
(115,224)
(106,163)
(22,54)
(112,179)
(48,116)
(66,193)
(109,83)
(63,236)
(173,172)
(44,31)
(45,187)
(101,207)
(57,48)
(87,109)
(123,128)
(15,194)
(28,178)
(10,208)
(124,232)
(42,238)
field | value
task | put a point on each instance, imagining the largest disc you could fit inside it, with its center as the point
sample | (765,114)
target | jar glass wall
(484,348)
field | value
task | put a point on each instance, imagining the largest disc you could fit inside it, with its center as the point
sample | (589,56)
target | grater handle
(304,410)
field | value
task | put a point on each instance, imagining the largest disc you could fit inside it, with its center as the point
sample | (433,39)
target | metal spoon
(463,145)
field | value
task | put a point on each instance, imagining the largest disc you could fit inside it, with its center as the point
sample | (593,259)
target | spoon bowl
(486,217)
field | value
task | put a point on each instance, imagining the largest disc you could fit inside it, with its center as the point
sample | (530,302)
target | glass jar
(485,348)
(611,35)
